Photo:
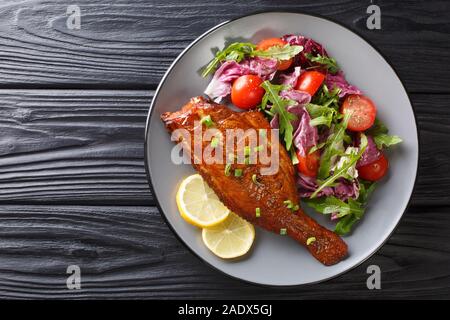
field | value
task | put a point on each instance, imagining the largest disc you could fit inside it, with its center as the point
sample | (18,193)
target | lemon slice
(198,204)
(231,238)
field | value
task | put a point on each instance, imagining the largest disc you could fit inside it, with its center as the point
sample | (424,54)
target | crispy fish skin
(242,195)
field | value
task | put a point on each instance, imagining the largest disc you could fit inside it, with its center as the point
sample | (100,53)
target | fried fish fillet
(251,192)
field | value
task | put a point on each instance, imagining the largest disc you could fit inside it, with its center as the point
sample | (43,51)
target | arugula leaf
(377,128)
(349,211)
(316,110)
(365,190)
(317,147)
(326,62)
(357,209)
(379,134)
(279,106)
(327,205)
(334,146)
(351,173)
(280,53)
(385,140)
(322,120)
(322,115)
(345,224)
(342,171)
(237,51)
(327,98)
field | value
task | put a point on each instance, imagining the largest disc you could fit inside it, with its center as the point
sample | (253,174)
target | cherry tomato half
(374,171)
(363,112)
(309,164)
(310,81)
(271,42)
(247,92)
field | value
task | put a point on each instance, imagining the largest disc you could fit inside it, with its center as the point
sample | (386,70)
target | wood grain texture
(129,252)
(73,146)
(78,146)
(128,44)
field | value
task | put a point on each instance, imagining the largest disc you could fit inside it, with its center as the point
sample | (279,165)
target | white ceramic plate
(276,260)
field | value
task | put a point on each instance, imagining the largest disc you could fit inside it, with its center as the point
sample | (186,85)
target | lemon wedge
(198,204)
(231,238)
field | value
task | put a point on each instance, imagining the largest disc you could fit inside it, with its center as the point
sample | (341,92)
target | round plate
(275,260)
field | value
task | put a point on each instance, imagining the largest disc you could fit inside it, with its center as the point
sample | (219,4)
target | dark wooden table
(73,189)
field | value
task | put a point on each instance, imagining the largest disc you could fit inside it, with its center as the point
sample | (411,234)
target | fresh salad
(329,126)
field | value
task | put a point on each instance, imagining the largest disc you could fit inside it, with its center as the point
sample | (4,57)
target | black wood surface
(72,183)
(128,44)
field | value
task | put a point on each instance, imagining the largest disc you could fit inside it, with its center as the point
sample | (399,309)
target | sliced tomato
(374,171)
(310,81)
(363,112)
(246,92)
(271,42)
(309,164)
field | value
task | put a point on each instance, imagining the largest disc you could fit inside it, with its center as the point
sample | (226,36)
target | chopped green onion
(258,212)
(310,240)
(227,169)
(238,172)
(246,151)
(207,121)
(247,160)
(283,231)
(214,142)
(290,205)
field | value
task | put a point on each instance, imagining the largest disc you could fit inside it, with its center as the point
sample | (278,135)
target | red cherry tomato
(310,81)
(374,171)
(309,164)
(363,112)
(247,92)
(271,42)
